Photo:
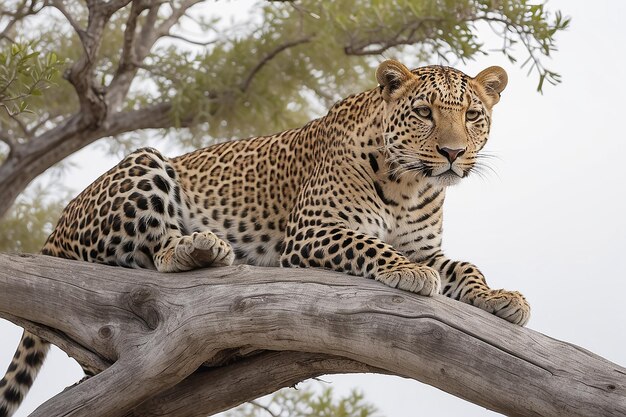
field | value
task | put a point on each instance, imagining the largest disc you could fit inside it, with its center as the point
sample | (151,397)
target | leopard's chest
(415,224)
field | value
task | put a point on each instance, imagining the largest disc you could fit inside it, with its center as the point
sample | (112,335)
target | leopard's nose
(451,154)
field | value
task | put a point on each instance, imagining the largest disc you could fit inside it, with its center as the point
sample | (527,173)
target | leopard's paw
(203,249)
(509,305)
(415,278)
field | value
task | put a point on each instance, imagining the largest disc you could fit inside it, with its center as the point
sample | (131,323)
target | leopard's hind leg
(176,249)
(136,215)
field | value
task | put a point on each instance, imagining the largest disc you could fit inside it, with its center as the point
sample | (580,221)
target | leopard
(358,191)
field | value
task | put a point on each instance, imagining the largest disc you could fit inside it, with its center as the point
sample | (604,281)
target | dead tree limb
(158,329)
(212,390)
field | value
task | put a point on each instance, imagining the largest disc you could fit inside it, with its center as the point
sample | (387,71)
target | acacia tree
(125,66)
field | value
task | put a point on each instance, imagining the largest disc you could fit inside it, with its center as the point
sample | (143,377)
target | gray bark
(157,330)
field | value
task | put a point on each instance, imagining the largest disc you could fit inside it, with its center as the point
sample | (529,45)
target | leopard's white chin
(447,176)
(447,179)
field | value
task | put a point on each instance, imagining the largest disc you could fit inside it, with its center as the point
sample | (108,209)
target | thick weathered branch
(157,329)
(81,353)
(100,113)
(209,391)
(32,158)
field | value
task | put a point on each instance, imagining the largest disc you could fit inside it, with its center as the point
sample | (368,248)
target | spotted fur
(359,190)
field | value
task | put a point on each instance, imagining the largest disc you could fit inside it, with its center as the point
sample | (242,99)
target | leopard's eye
(424,112)
(471,115)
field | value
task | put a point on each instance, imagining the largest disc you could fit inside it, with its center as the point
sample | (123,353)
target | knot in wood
(437,334)
(152,318)
(142,295)
(105,332)
(397,299)
(143,302)
(242,304)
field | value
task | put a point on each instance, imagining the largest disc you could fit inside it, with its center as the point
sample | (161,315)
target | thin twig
(182,38)
(271,55)
(164,28)
(21,125)
(263,407)
(18,15)
(60,6)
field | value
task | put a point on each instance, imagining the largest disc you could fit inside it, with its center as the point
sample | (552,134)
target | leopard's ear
(391,75)
(493,80)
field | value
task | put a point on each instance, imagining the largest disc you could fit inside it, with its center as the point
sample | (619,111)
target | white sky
(551,223)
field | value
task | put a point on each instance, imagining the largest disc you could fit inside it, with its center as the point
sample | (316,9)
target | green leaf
(52,59)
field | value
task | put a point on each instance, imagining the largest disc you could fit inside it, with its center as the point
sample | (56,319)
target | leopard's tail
(21,373)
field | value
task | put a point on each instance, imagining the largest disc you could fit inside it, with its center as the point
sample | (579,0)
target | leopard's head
(436,119)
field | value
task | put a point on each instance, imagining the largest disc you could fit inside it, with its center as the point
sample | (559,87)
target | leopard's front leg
(463,281)
(341,249)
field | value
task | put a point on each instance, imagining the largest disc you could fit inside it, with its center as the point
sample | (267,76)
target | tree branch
(209,391)
(191,41)
(27,135)
(137,44)
(93,108)
(127,67)
(157,329)
(109,7)
(34,157)
(128,47)
(9,140)
(82,354)
(164,28)
(23,10)
(406,35)
(269,56)
(60,6)
(263,407)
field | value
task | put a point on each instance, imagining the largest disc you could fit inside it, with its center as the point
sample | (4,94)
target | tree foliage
(307,401)
(181,70)
(268,72)
(30,221)
(23,76)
